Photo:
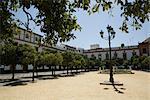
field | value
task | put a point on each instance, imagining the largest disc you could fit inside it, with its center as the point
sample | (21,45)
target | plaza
(74,50)
(84,86)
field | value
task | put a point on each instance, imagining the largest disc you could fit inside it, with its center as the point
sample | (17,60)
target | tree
(140,60)
(1,55)
(77,61)
(40,62)
(10,57)
(131,10)
(83,62)
(126,63)
(86,65)
(146,63)
(58,60)
(50,60)
(29,56)
(122,45)
(98,63)
(135,61)
(119,61)
(92,61)
(56,17)
(67,60)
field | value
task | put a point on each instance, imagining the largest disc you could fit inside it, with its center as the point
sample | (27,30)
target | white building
(94,46)
(35,40)
(103,53)
(26,37)
(142,49)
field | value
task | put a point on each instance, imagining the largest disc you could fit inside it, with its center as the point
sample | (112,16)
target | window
(115,55)
(99,56)
(36,38)
(27,35)
(93,57)
(133,53)
(144,50)
(107,56)
(124,55)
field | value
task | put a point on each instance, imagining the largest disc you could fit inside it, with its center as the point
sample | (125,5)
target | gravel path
(84,86)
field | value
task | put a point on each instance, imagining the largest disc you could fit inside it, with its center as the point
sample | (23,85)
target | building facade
(35,40)
(117,52)
(26,37)
(144,47)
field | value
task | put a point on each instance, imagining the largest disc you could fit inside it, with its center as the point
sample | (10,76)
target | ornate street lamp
(111,35)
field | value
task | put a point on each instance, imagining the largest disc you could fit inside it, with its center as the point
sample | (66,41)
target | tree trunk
(13,71)
(71,69)
(43,67)
(85,69)
(33,72)
(36,71)
(52,71)
(67,71)
(76,69)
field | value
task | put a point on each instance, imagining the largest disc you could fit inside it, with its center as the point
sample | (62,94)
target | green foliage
(59,59)
(93,57)
(78,60)
(119,61)
(49,59)
(67,59)
(7,23)
(9,54)
(40,59)
(134,60)
(146,63)
(126,63)
(122,45)
(55,18)
(135,11)
(28,54)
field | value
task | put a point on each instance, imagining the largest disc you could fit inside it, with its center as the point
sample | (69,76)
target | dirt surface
(84,86)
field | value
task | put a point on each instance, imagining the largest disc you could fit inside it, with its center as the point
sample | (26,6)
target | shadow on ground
(118,90)
(7,80)
(17,83)
(24,80)
(47,78)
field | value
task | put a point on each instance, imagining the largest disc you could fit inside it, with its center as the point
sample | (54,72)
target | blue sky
(91,26)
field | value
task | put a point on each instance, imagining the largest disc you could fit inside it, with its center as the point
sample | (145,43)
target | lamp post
(111,35)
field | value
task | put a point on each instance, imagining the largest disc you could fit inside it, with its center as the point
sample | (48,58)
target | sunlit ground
(84,86)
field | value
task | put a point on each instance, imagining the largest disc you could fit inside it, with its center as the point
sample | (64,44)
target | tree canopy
(57,20)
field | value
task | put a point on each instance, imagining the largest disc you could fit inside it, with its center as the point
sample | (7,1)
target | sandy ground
(82,87)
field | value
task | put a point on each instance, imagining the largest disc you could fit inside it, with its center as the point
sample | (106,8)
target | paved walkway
(84,86)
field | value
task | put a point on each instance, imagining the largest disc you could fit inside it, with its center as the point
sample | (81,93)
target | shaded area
(114,86)
(47,78)
(117,90)
(106,88)
(7,80)
(17,83)
(23,80)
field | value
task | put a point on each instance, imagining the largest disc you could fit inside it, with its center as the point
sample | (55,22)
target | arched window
(99,57)
(124,55)
(115,55)
(107,56)
(27,35)
(133,53)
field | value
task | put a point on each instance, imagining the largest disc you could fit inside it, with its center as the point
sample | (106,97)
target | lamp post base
(111,83)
